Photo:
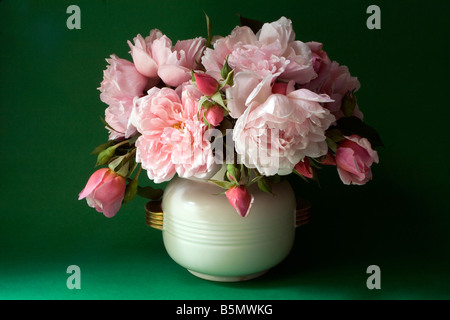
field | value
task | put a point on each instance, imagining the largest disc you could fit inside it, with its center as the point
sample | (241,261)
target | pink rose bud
(214,115)
(206,84)
(354,157)
(328,160)
(240,199)
(304,168)
(104,191)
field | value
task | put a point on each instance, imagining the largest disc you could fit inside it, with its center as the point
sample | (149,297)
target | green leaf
(217,98)
(208,28)
(228,80)
(102,147)
(106,155)
(246,172)
(265,185)
(149,192)
(226,69)
(255,25)
(275,179)
(255,179)
(223,184)
(348,104)
(115,163)
(131,191)
(353,125)
(201,102)
(133,139)
(123,169)
(121,165)
(335,135)
(233,173)
(314,164)
(132,166)
(331,144)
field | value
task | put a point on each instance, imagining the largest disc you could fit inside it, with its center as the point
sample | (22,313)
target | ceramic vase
(203,233)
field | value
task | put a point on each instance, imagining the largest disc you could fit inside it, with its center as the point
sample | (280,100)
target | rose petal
(94,180)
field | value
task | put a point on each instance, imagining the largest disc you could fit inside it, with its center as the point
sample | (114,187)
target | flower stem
(121,143)
(138,173)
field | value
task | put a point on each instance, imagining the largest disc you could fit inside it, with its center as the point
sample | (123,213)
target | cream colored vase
(204,234)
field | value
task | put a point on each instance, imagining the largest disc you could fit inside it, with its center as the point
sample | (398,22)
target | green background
(49,124)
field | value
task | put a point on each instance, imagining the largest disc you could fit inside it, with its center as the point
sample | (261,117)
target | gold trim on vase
(154,216)
(303,212)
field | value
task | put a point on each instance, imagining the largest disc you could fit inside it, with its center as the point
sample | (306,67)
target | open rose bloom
(289,107)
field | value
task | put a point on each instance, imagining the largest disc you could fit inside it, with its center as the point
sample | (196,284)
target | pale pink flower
(142,53)
(155,56)
(321,64)
(245,83)
(354,158)
(300,67)
(155,157)
(336,85)
(262,60)
(271,51)
(104,191)
(249,86)
(121,83)
(275,135)
(173,138)
(332,79)
(240,199)
(117,116)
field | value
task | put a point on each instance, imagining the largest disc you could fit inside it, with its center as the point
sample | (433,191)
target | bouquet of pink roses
(258,101)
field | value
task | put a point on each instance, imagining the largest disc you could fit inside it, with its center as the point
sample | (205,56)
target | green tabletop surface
(50,122)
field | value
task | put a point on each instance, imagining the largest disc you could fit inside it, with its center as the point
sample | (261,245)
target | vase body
(204,234)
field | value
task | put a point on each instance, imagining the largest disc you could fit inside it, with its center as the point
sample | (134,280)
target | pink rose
(276,134)
(142,53)
(246,84)
(249,87)
(121,83)
(300,67)
(321,65)
(104,191)
(175,64)
(337,84)
(271,51)
(354,157)
(240,199)
(155,56)
(117,116)
(173,138)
